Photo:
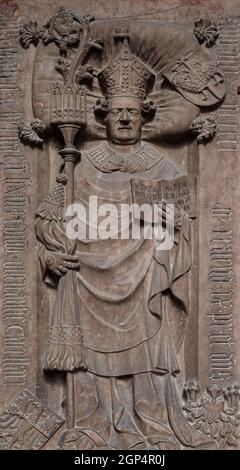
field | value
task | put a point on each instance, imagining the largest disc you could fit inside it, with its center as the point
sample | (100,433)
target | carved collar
(107,160)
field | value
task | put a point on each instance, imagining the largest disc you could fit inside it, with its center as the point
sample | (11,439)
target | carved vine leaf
(216,413)
(204,128)
(206,32)
(33,133)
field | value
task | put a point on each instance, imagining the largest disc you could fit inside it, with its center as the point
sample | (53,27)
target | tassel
(65,349)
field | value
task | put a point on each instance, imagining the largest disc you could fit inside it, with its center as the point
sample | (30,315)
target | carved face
(124,120)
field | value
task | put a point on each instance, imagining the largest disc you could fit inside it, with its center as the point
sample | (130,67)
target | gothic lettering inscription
(15,359)
(180,191)
(221,278)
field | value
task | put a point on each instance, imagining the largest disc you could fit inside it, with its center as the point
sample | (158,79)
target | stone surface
(113,343)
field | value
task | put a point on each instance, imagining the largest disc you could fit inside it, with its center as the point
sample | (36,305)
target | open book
(180,192)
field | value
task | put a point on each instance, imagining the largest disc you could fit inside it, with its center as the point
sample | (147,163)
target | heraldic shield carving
(118,121)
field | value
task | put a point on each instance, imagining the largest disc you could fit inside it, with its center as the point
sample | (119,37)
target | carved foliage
(206,32)
(66,29)
(34,133)
(30,33)
(216,413)
(204,127)
(27,423)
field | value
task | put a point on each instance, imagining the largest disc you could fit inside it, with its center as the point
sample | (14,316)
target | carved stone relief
(27,423)
(115,321)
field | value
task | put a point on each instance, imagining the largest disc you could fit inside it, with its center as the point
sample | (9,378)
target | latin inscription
(221,278)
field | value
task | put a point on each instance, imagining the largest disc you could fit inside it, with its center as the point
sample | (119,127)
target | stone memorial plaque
(111,338)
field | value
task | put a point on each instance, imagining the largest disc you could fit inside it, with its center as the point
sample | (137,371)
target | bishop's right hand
(60,263)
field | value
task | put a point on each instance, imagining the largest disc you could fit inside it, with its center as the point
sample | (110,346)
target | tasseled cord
(65,349)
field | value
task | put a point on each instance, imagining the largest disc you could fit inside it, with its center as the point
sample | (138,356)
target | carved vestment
(129,274)
(142,334)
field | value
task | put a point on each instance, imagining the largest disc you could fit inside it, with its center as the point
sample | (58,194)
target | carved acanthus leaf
(63,67)
(30,33)
(204,127)
(66,29)
(206,32)
(33,133)
(85,74)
